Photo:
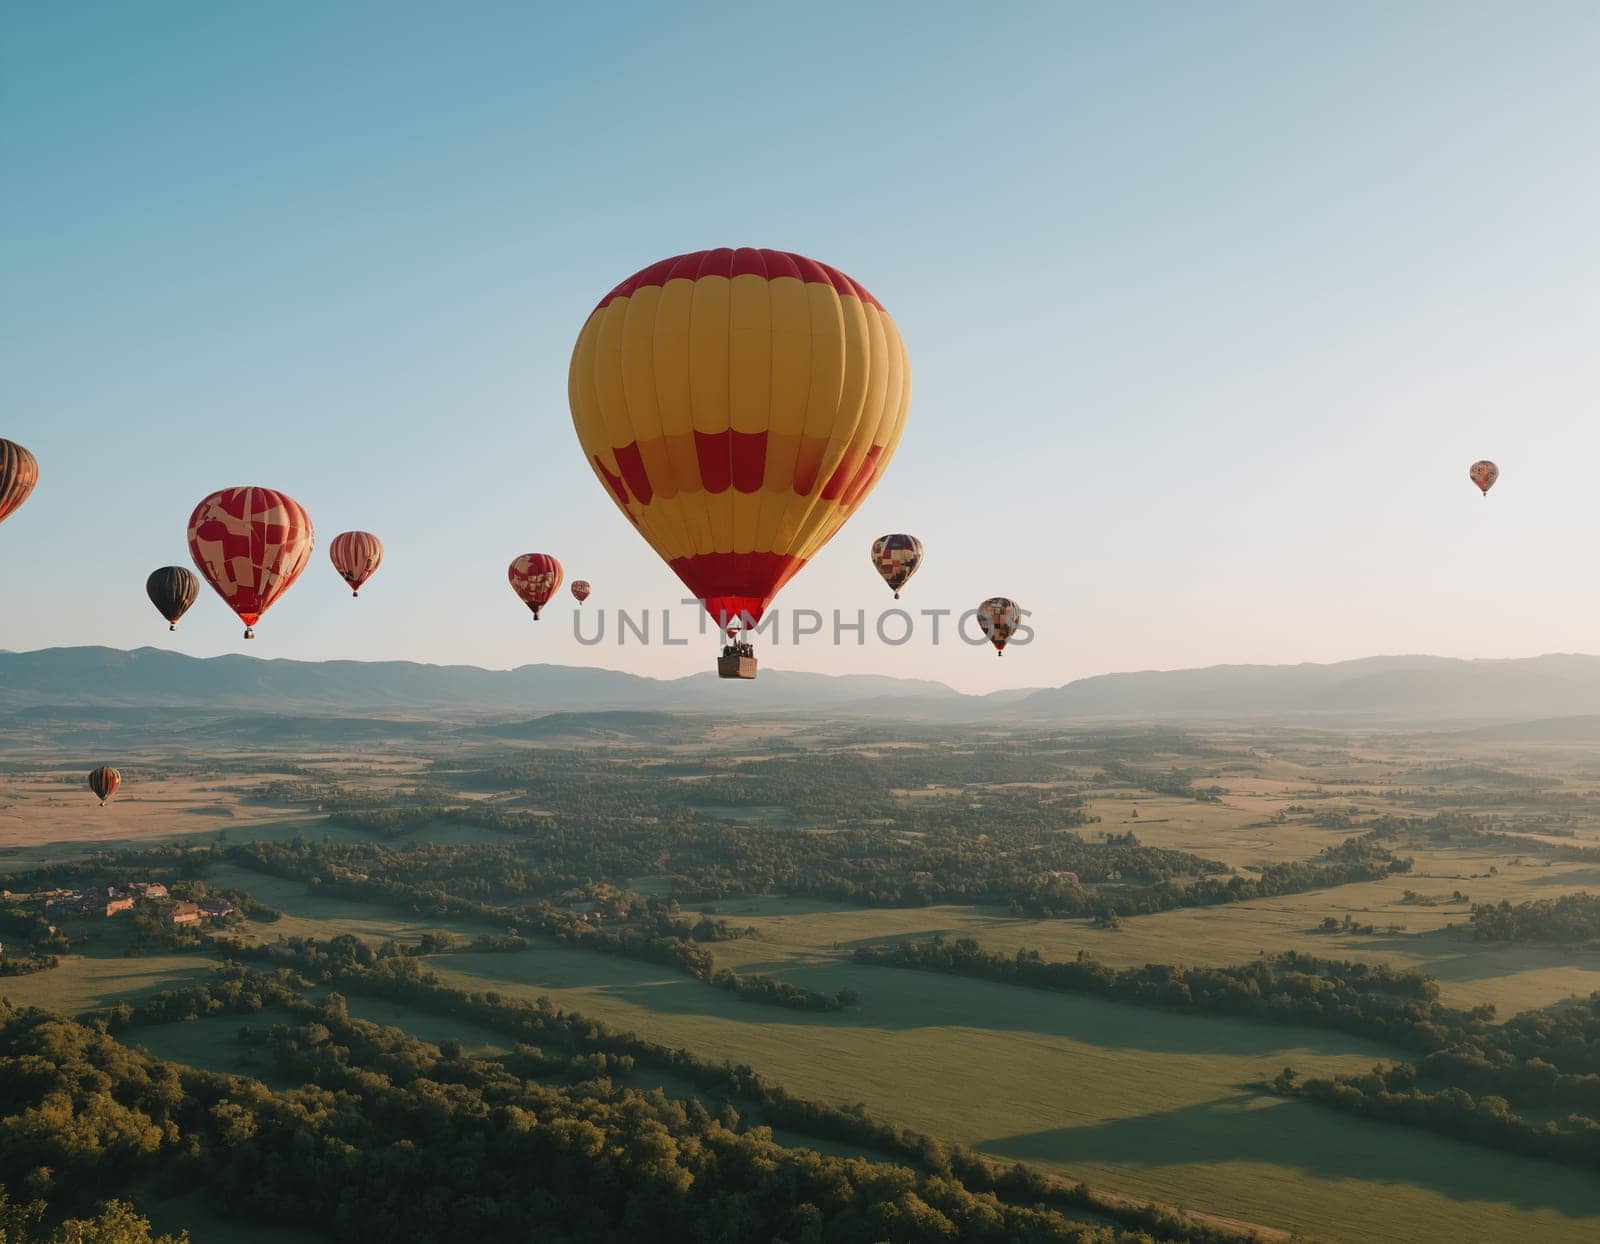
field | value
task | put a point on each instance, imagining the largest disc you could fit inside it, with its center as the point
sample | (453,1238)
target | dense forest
(390,1138)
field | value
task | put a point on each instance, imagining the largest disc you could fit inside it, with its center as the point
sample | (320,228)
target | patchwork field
(1146,1104)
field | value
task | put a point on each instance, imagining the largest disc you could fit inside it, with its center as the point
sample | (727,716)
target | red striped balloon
(104,782)
(356,556)
(251,545)
(19,472)
(535,577)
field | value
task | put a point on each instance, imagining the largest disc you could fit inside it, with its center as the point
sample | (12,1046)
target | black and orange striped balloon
(172,589)
(104,782)
(19,472)
(738,405)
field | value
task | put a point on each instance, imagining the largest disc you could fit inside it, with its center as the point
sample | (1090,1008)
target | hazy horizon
(1203,338)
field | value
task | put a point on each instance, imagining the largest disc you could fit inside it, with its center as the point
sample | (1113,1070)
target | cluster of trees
(1370,1000)
(116,1222)
(389,1137)
(1175,782)
(1391,1094)
(1496,1085)
(1572,919)
(25,965)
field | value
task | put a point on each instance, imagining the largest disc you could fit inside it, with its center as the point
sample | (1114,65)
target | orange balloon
(356,555)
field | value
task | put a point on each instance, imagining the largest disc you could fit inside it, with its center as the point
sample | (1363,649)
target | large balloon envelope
(251,545)
(104,782)
(738,405)
(356,556)
(1483,473)
(535,577)
(896,558)
(999,617)
(172,589)
(19,472)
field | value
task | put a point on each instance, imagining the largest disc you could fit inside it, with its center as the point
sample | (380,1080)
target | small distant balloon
(535,577)
(356,556)
(896,558)
(251,545)
(172,589)
(1484,473)
(580,590)
(999,617)
(104,782)
(19,472)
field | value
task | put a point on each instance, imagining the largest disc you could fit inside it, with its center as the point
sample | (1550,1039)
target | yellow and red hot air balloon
(104,782)
(19,472)
(896,558)
(356,556)
(738,405)
(251,545)
(999,617)
(581,590)
(1483,473)
(535,577)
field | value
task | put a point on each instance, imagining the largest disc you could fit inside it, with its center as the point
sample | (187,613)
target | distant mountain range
(61,683)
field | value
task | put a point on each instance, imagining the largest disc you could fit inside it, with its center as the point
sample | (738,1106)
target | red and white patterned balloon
(250,544)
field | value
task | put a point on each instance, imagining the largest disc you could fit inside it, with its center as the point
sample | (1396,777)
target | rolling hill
(61,684)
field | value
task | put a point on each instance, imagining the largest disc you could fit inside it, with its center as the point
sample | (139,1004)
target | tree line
(1369,1000)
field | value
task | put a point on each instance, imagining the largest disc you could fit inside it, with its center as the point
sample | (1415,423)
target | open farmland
(812,843)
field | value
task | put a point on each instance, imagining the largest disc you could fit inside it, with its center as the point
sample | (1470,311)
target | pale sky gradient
(1209,307)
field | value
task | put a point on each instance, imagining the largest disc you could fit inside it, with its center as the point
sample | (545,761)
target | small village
(107,902)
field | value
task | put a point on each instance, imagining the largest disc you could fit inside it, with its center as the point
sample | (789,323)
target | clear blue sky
(1208,308)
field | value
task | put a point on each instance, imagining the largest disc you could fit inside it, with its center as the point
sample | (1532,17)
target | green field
(212,1042)
(1149,1104)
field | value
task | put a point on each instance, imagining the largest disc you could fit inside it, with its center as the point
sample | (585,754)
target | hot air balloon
(251,545)
(896,558)
(1483,473)
(172,590)
(19,472)
(104,782)
(999,618)
(356,555)
(738,405)
(535,577)
(580,590)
